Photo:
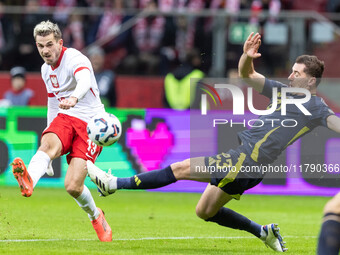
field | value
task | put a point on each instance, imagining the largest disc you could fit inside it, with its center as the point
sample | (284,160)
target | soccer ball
(104,129)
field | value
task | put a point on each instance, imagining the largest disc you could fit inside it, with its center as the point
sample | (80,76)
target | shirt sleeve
(78,63)
(320,112)
(81,70)
(269,85)
(83,78)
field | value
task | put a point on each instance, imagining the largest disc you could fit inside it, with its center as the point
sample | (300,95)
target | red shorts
(73,135)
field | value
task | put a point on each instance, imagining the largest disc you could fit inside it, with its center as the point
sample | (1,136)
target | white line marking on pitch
(145,238)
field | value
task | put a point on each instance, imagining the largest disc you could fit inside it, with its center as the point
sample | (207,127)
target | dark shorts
(228,172)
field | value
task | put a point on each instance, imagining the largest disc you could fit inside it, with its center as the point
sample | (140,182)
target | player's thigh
(75,175)
(212,199)
(333,205)
(51,144)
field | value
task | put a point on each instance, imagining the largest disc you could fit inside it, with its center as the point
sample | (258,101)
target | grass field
(50,222)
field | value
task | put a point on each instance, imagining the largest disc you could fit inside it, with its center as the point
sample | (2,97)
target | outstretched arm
(246,66)
(333,122)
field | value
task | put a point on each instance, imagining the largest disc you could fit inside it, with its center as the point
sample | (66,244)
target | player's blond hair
(45,28)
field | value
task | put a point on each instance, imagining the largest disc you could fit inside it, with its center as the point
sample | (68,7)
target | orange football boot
(102,228)
(24,179)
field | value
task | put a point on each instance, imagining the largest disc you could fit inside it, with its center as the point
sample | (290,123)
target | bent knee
(73,189)
(181,169)
(205,212)
(52,151)
(45,147)
(51,145)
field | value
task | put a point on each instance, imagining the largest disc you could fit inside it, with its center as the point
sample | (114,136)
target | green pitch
(50,222)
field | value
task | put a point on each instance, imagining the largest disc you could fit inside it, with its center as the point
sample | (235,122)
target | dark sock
(329,239)
(228,218)
(148,180)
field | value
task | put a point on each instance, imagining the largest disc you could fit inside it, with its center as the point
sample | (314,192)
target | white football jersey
(60,83)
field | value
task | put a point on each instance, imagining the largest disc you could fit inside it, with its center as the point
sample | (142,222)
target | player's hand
(68,103)
(252,45)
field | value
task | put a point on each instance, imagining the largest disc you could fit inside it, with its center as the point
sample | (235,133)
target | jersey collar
(60,57)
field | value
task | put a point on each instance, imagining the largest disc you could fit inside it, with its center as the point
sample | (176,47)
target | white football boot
(274,239)
(102,179)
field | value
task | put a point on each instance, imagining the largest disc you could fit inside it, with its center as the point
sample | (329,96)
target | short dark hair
(314,66)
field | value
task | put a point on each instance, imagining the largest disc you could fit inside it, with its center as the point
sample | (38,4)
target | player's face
(298,78)
(49,48)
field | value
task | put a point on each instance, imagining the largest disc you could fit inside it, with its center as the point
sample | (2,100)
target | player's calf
(108,184)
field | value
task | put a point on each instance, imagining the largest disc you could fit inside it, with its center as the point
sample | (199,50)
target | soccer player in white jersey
(73,98)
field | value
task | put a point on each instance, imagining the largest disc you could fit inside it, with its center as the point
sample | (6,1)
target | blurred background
(143,53)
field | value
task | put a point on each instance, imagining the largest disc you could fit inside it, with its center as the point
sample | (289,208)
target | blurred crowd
(118,39)
(154,45)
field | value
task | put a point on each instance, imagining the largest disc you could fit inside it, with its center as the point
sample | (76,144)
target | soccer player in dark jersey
(259,146)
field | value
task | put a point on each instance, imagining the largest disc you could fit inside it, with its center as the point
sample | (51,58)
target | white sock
(86,202)
(113,184)
(38,165)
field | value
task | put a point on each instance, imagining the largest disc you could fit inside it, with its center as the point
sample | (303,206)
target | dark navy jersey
(266,142)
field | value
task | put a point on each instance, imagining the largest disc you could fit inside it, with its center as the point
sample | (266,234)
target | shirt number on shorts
(92,149)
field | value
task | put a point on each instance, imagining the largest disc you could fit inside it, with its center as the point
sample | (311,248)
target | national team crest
(54,81)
